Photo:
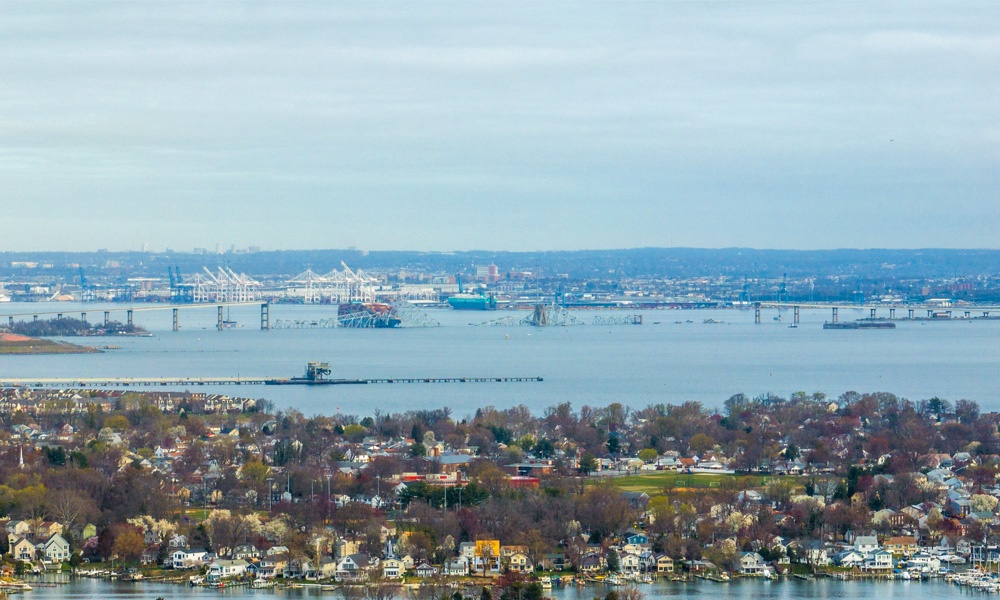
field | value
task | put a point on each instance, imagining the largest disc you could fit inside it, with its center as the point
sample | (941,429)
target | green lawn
(656,482)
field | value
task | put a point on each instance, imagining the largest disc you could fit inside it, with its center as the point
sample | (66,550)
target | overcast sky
(507,126)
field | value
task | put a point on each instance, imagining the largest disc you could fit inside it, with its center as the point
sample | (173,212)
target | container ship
(463,301)
(472,302)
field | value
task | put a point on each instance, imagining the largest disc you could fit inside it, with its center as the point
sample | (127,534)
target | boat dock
(113,382)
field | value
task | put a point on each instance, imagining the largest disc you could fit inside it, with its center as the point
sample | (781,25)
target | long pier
(112,382)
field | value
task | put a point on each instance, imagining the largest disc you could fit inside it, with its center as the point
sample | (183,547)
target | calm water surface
(748,590)
(667,359)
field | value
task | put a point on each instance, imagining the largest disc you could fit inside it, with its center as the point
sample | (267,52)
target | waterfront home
(188,559)
(392,568)
(352,568)
(296,568)
(752,563)
(55,549)
(591,563)
(849,558)
(458,565)
(326,568)
(815,553)
(664,564)
(23,550)
(555,561)
(904,545)
(877,560)
(519,563)
(220,569)
(425,570)
(925,562)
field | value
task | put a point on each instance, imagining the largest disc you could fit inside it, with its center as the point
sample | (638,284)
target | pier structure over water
(114,382)
(913,311)
(221,322)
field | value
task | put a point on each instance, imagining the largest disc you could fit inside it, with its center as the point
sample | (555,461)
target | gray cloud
(515,126)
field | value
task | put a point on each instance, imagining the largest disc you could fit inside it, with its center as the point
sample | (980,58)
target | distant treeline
(577,264)
(67,327)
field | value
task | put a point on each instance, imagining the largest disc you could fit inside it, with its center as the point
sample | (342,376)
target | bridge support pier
(219,324)
(107,317)
(872,314)
(10,321)
(834,314)
(929,313)
(34,318)
(59,316)
(83,317)
(795,315)
(892,314)
(129,313)
(909,313)
(756,315)
(967,313)
(177,324)
(265,316)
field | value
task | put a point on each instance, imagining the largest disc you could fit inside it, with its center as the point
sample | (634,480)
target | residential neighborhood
(219,489)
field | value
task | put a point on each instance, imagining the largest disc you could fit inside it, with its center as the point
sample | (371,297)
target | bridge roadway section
(945,312)
(113,382)
(265,317)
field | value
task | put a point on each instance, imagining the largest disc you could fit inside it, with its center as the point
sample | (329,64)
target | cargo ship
(472,302)
(463,301)
(364,315)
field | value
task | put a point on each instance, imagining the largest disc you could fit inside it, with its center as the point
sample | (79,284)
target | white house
(221,569)
(352,568)
(187,559)
(629,563)
(55,549)
(392,568)
(23,550)
(866,544)
(458,565)
(879,560)
(752,563)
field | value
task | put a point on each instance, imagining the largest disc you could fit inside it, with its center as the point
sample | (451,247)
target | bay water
(673,357)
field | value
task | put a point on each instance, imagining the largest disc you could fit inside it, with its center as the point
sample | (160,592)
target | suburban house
(221,569)
(664,564)
(187,559)
(458,565)
(392,568)
(352,568)
(902,545)
(55,549)
(23,550)
(752,563)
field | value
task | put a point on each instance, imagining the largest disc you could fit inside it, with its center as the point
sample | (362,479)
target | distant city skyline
(445,126)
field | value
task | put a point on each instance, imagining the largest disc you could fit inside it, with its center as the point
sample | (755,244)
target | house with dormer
(55,549)
(352,568)
(23,550)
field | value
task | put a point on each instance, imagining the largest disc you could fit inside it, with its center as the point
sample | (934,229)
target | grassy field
(656,482)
